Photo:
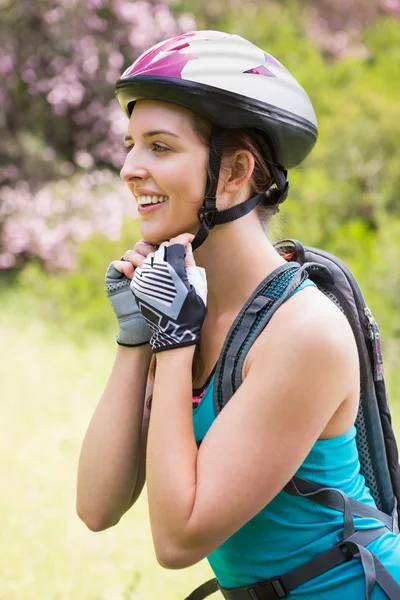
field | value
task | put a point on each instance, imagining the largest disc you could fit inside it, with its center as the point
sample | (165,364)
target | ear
(238,169)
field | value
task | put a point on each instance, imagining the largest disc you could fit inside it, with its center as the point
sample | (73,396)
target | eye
(128,147)
(159,148)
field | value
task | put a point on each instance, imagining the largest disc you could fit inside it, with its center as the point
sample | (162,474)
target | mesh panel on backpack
(361,436)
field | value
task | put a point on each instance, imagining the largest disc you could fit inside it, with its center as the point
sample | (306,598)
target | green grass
(49,388)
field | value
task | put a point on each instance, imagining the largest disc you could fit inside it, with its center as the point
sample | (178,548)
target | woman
(186,99)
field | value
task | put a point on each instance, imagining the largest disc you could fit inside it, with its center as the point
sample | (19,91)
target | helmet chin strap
(208,214)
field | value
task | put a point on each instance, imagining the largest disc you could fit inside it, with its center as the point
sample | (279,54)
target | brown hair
(260,181)
(242,139)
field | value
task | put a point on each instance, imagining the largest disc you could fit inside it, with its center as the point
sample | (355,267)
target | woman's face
(165,159)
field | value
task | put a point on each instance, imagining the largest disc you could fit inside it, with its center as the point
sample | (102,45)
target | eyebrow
(150,134)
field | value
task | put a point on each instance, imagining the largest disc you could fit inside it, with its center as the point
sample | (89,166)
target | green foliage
(75,301)
(344,197)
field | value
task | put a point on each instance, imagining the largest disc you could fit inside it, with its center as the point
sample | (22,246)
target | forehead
(160,114)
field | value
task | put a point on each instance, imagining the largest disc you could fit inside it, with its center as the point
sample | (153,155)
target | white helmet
(234,84)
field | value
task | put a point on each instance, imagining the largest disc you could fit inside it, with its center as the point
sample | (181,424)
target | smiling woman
(214,124)
(168,163)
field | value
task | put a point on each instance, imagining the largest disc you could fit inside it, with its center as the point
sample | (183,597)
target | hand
(134,331)
(171,293)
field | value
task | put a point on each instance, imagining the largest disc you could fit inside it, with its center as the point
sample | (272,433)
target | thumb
(189,260)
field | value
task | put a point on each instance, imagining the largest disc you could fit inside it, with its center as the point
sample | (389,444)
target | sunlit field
(49,388)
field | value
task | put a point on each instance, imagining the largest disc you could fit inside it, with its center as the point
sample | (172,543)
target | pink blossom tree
(61,128)
(336,27)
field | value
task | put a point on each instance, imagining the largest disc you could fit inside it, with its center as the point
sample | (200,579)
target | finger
(144,248)
(134,257)
(183,238)
(124,266)
(189,260)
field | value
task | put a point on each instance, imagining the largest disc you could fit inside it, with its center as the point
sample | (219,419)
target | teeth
(143,200)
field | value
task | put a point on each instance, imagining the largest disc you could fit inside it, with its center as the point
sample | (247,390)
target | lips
(144,210)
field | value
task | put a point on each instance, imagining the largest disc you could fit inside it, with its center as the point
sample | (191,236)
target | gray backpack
(375,438)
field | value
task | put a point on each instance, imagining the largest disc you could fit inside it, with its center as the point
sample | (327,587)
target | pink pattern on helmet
(271,60)
(168,66)
(261,70)
(173,64)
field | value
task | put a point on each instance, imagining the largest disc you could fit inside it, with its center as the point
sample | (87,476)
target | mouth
(147,200)
(148,204)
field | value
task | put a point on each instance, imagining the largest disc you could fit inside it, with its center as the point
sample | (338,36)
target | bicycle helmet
(232,83)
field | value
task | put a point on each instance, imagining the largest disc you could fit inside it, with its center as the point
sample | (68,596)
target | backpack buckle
(345,551)
(279,587)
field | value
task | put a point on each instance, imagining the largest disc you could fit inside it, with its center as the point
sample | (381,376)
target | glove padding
(171,297)
(134,330)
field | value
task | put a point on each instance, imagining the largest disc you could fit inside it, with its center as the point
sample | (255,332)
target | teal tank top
(291,530)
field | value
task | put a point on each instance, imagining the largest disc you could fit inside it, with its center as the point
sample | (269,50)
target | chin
(150,233)
(158,235)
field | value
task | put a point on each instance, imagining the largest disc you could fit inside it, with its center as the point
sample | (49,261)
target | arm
(111,470)
(199,498)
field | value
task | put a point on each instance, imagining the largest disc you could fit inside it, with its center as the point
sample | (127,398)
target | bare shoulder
(313,317)
(308,327)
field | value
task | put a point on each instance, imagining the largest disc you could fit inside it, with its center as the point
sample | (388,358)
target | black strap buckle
(279,587)
(346,551)
(207,212)
(263,590)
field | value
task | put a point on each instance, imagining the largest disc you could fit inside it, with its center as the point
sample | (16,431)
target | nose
(133,168)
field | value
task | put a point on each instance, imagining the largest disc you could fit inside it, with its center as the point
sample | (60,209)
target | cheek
(188,177)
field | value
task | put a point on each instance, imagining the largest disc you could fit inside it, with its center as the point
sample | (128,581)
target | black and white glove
(171,297)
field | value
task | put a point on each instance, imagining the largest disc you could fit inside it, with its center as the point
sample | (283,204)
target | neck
(237,256)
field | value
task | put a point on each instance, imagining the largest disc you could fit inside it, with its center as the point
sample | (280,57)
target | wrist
(176,355)
(174,366)
(127,345)
(144,351)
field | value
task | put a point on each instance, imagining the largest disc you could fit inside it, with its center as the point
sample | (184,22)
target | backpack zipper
(375,337)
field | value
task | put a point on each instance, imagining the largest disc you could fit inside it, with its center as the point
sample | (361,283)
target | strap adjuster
(279,587)
(207,213)
(346,551)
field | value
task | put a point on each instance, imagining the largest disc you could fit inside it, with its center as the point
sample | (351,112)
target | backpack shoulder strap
(248,325)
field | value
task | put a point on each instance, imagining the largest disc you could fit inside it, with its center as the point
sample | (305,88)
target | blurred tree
(337,26)
(59,62)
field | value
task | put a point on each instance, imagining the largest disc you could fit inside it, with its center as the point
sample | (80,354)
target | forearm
(109,459)
(171,450)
